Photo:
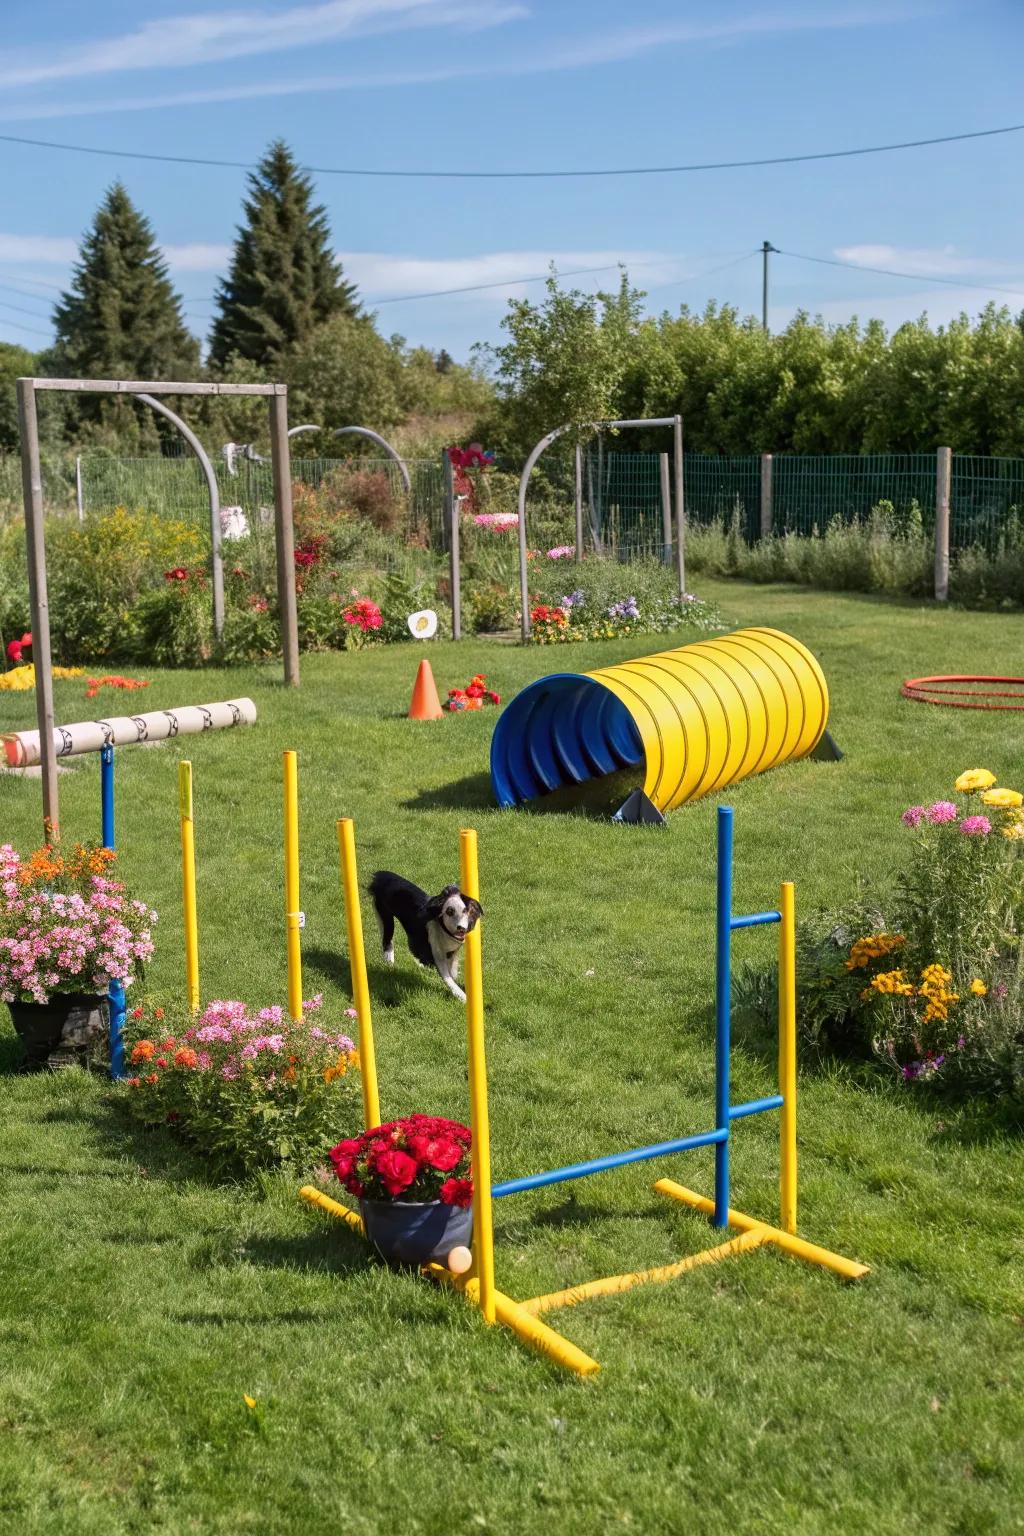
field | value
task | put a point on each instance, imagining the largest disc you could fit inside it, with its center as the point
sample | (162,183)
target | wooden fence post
(767,523)
(677,454)
(284,534)
(666,508)
(943,479)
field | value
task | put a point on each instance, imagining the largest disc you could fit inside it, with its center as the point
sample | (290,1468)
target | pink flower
(942,810)
(976,826)
(560,551)
(913,815)
(350,1013)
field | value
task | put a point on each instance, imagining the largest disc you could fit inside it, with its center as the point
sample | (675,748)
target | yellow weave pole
(787,1054)
(847,1269)
(357,965)
(293,917)
(483,1223)
(188,885)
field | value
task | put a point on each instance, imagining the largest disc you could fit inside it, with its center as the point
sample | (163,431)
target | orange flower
(158,1013)
(143,1050)
(168,1044)
(186,1057)
(154,1077)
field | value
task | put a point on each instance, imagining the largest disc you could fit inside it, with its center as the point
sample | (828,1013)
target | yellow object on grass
(22,679)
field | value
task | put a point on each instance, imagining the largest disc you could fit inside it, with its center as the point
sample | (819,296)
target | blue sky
(487,85)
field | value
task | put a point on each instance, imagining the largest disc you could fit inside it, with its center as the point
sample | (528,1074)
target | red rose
(457,1192)
(441,1152)
(395,1169)
(343,1156)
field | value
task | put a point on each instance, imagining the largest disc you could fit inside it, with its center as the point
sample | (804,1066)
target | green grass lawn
(139,1300)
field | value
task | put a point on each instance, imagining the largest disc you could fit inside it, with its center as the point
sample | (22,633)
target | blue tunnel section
(560,730)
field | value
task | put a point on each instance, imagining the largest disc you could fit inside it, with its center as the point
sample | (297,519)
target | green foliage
(343,373)
(15,363)
(120,319)
(98,571)
(811,388)
(171,625)
(284,279)
(886,553)
(565,361)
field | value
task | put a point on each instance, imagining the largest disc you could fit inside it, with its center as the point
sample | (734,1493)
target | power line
(635,170)
(914,277)
(18,310)
(24,293)
(15,325)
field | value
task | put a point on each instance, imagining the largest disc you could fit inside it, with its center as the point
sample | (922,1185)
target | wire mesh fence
(622,493)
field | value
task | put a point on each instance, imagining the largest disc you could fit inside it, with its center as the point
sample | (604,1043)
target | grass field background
(139,1300)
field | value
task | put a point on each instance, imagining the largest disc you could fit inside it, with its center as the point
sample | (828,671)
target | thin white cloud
(46,249)
(923,261)
(197,257)
(380,275)
(209,37)
(564,55)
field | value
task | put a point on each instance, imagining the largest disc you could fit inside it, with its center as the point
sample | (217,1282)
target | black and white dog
(436,926)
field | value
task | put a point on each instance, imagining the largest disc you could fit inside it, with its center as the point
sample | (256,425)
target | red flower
(161,1061)
(179,573)
(304,558)
(133,1082)
(153,1077)
(456,1192)
(343,1156)
(441,1152)
(15,648)
(136,1013)
(395,1169)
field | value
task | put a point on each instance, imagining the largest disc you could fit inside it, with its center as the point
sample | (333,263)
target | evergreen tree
(121,317)
(284,279)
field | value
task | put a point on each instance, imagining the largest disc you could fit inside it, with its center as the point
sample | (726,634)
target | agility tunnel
(697,719)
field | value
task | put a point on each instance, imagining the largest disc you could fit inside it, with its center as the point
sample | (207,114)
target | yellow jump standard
(478,1285)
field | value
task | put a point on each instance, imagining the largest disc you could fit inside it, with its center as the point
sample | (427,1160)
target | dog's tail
(379,880)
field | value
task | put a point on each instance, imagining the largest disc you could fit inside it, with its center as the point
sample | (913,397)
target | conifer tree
(121,317)
(284,279)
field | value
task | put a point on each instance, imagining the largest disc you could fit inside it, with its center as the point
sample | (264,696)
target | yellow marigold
(1003,799)
(21,679)
(978,987)
(974,779)
(892,983)
(1015,831)
(872,947)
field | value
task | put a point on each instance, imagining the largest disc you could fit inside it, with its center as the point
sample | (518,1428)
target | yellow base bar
(515,1315)
(332,1207)
(506,1311)
(848,1269)
(615,1284)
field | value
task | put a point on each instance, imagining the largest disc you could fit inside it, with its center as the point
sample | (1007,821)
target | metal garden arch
(32,489)
(675,422)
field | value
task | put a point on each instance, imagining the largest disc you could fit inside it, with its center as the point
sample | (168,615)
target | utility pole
(765,249)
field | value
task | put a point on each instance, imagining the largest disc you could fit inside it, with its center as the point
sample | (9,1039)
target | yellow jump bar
(614,1284)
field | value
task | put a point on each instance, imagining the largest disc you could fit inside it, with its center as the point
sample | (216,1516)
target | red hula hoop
(926,690)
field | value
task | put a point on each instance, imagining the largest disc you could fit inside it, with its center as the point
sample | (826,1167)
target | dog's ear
(476,911)
(436,903)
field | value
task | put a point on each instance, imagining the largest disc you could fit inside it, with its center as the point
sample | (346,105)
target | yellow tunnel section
(698,718)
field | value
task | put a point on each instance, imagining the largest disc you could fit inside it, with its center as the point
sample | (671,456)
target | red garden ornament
(966,691)
(474,696)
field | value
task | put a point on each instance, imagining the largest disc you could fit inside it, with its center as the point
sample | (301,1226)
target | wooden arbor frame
(32,484)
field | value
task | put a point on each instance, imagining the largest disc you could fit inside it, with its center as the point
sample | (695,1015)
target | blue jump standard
(115,994)
(725,1112)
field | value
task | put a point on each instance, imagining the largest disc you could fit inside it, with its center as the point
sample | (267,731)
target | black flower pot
(60,1032)
(416,1232)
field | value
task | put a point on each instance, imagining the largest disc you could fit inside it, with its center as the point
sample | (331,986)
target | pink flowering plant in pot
(926,975)
(67,929)
(248,1087)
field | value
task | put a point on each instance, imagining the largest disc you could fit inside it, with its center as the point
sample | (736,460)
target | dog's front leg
(445,968)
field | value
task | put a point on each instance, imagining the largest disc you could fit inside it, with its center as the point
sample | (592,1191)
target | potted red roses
(411,1178)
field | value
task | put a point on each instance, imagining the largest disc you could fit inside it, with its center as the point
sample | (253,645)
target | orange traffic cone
(425,703)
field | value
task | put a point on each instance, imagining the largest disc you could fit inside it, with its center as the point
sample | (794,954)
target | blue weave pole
(115,992)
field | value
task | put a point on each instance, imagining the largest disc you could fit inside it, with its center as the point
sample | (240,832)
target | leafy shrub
(96,572)
(248,1088)
(172,626)
(927,976)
